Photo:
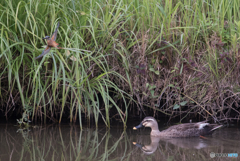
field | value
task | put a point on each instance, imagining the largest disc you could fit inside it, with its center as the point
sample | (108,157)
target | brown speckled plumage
(181,130)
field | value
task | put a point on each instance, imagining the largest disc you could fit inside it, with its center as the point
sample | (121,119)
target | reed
(169,55)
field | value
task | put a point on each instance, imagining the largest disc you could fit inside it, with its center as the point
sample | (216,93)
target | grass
(168,55)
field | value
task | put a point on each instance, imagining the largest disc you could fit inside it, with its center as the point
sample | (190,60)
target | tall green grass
(76,78)
(160,52)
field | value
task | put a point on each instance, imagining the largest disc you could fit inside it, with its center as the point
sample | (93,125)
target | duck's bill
(138,127)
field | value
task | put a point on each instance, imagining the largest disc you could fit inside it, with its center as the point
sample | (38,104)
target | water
(65,142)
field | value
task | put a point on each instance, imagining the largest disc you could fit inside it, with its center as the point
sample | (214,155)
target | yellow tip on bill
(134,128)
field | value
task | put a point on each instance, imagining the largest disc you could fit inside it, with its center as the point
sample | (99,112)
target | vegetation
(177,57)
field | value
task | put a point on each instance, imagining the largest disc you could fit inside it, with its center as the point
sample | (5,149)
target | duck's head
(147,122)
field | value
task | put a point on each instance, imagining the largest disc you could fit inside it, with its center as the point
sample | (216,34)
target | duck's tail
(216,127)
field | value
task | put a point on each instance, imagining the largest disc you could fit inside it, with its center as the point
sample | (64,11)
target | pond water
(67,143)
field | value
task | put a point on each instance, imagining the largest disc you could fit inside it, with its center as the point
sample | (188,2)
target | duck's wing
(190,129)
(45,51)
(181,127)
(54,36)
(199,126)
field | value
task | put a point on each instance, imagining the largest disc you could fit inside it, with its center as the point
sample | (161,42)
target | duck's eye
(147,121)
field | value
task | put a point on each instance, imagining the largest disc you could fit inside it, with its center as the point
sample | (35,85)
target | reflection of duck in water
(181,130)
(149,149)
(186,143)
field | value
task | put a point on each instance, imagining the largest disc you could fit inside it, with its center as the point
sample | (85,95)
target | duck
(181,130)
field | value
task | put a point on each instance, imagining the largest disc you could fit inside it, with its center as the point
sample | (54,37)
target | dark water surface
(67,143)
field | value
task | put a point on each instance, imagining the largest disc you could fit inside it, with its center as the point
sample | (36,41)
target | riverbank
(120,58)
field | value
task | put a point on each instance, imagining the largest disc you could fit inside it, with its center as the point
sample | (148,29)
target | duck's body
(181,130)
